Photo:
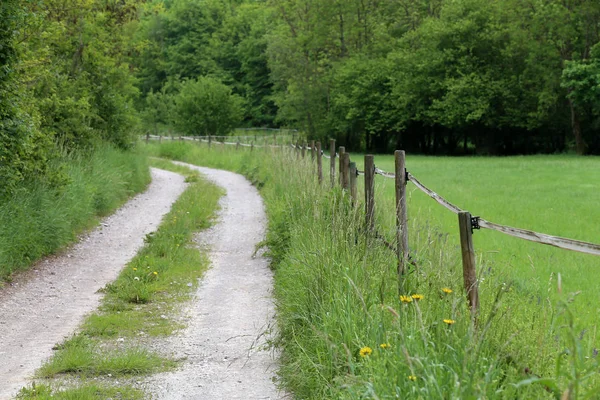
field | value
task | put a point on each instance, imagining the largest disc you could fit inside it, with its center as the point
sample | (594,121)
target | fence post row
(332,161)
(401,214)
(345,170)
(341,151)
(468,259)
(353,190)
(319,163)
(369,192)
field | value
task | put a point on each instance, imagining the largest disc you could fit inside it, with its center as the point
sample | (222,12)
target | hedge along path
(224,346)
(47,304)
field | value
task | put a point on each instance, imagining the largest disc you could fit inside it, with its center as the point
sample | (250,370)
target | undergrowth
(40,218)
(346,332)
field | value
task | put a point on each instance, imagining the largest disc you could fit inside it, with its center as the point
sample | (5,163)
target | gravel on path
(224,347)
(42,307)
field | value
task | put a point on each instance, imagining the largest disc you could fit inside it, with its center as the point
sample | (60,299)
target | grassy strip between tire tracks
(109,351)
(344,331)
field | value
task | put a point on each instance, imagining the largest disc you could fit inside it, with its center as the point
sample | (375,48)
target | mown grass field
(557,195)
(346,333)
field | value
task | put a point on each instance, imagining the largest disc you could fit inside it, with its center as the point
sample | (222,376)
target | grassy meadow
(344,331)
(557,195)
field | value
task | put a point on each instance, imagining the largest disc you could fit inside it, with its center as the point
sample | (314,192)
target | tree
(205,106)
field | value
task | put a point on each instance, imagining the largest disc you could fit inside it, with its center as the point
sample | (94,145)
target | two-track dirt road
(223,344)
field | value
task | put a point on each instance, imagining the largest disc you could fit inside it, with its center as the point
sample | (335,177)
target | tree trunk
(576,128)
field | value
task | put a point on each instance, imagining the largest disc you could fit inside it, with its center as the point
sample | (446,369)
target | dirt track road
(47,304)
(228,322)
(224,346)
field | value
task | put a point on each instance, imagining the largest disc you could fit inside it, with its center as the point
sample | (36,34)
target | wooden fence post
(319,163)
(370,192)
(344,171)
(341,151)
(147,137)
(312,150)
(353,190)
(468,258)
(159,138)
(237,144)
(252,146)
(209,141)
(332,161)
(303,149)
(401,216)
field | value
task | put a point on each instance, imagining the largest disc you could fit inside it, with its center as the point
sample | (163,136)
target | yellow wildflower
(365,351)
(412,378)
(449,321)
(406,299)
(417,297)
(385,346)
(135,269)
(447,290)
(155,273)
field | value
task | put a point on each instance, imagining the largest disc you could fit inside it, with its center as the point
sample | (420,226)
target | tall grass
(40,219)
(344,330)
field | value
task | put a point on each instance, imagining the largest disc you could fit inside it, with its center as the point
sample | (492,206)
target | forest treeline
(428,76)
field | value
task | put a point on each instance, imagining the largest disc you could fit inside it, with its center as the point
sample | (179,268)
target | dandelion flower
(135,269)
(447,290)
(449,321)
(417,297)
(412,378)
(365,351)
(385,346)
(406,299)
(155,273)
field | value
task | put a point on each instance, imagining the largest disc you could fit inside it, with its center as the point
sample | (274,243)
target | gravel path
(230,319)
(47,304)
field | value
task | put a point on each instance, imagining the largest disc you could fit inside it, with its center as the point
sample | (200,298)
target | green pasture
(557,195)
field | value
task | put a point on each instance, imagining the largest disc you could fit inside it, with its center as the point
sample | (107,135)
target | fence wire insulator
(474,224)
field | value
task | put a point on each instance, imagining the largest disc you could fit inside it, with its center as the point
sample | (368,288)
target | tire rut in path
(224,344)
(49,303)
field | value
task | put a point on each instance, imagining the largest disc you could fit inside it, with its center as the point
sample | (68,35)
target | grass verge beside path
(141,303)
(344,331)
(40,219)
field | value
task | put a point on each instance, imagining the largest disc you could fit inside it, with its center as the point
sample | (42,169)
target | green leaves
(206,107)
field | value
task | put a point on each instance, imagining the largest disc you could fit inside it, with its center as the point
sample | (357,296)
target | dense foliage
(431,76)
(65,82)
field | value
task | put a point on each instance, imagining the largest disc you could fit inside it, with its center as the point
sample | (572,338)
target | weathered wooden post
(147,137)
(401,216)
(370,192)
(341,151)
(319,163)
(237,144)
(345,171)
(209,141)
(312,150)
(468,258)
(303,149)
(251,147)
(332,161)
(159,138)
(353,190)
